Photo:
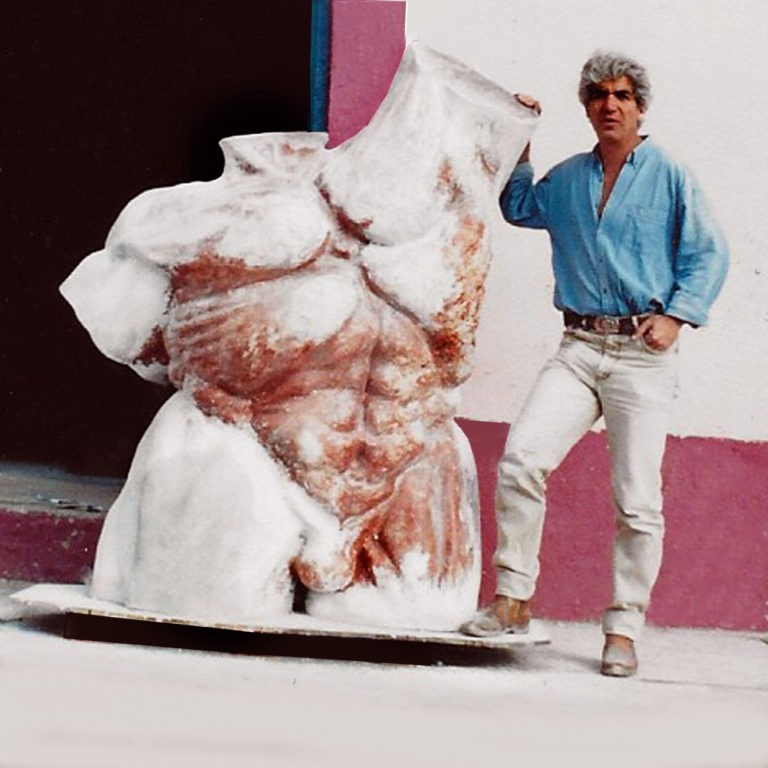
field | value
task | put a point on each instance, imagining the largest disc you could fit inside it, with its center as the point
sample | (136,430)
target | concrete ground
(700,700)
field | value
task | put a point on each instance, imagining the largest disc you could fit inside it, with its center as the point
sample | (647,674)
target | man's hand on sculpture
(659,331)
(529,101)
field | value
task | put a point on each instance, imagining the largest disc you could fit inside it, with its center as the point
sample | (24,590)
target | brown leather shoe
(503,615)
(619,657)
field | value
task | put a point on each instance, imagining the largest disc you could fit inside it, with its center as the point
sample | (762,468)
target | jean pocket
(646,347)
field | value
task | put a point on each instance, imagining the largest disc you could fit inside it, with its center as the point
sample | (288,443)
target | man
(635,255)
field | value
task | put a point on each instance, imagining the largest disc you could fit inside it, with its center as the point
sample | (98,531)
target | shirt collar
(633,157)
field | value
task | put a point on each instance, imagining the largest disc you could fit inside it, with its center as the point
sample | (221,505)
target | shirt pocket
(648,228)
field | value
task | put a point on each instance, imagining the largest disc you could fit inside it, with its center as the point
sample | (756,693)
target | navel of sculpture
(316,310)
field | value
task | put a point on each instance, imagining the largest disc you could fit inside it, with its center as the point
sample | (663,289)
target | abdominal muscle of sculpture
(316,310)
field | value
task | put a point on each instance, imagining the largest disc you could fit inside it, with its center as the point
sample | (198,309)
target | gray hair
(604,65)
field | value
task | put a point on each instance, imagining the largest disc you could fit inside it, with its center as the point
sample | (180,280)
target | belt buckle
(606,324)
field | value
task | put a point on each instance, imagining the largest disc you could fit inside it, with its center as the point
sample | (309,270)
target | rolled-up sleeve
(701,257)
(522,202)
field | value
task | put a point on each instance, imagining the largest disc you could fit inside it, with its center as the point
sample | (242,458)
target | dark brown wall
(102,99)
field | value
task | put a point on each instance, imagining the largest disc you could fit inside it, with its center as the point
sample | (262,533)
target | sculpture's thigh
(202,528)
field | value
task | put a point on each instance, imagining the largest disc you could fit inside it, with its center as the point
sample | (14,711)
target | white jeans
(633,388)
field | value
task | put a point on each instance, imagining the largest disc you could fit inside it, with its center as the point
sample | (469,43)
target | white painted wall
(709,70)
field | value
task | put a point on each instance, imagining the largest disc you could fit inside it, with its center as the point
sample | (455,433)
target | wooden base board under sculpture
(86,618)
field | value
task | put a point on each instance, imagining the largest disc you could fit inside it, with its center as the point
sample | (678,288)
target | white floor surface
(700,700)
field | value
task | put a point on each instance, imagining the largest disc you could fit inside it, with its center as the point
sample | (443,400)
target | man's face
(612,109)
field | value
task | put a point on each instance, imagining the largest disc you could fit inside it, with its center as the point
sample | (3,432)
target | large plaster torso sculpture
(316,310)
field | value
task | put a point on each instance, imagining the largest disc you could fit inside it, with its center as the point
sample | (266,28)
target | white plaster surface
(707,62)
(700,700)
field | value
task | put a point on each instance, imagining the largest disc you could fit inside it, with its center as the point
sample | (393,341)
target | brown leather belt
(605,325)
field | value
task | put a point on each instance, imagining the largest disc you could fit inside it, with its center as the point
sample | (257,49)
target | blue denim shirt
(656,247)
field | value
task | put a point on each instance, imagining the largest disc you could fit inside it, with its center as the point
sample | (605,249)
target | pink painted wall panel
(39,546)
(575,580)
(487,440)
(367,43)
(715,570)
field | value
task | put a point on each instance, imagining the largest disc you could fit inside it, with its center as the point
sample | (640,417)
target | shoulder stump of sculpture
(316,310)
